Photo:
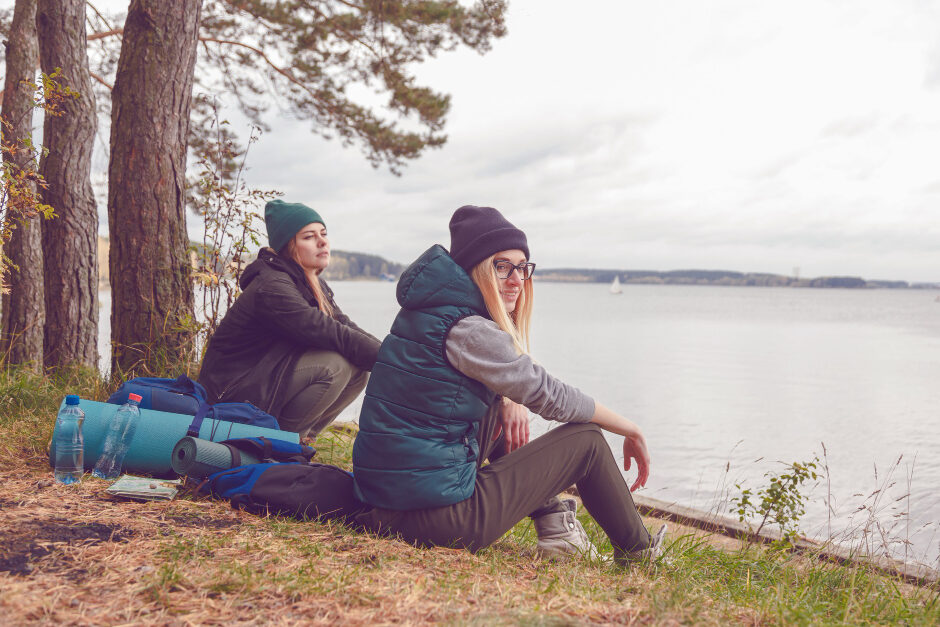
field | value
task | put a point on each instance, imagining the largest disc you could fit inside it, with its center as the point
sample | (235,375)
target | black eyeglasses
(504,269)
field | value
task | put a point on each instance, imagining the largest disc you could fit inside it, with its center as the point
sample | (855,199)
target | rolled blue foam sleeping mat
(198,459)
(156,435)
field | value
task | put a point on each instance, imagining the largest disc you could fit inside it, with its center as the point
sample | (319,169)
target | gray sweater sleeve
(481,350)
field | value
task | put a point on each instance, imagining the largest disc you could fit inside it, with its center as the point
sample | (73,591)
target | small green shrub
(782,501)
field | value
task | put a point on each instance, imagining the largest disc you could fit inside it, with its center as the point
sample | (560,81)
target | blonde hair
(517,323)
(318,292)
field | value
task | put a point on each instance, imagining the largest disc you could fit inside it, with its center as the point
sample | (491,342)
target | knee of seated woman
(327,361)
(586,432)
(581,427)
(596,435)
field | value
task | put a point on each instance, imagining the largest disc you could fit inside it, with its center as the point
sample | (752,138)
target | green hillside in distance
(346,266)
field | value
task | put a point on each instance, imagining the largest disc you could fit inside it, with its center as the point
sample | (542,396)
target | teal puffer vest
(417,442)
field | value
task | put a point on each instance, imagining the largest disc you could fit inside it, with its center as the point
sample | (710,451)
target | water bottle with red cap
(118,439)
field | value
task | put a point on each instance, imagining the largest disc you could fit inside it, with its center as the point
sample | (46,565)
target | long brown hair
(517,323)
(318,292)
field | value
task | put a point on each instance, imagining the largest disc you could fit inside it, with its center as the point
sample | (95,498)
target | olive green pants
(321,385)
(523,482)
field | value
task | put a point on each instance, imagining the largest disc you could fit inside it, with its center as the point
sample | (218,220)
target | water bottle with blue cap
(69,443)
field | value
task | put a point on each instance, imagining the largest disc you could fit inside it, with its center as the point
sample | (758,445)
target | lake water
(729,383)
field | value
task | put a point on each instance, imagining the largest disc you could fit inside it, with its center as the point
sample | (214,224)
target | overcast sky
(742,135)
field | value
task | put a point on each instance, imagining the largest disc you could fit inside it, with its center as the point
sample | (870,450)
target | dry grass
(74,555)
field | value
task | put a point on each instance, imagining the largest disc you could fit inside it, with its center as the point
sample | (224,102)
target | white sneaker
(657,544)
(651,553)
(561,535)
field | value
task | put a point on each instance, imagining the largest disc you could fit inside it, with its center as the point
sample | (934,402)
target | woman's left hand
(635,448)
(514,422)
(634,444)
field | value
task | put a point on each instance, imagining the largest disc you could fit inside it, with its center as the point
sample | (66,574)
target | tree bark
(69,241)
(24,310)
(151,287)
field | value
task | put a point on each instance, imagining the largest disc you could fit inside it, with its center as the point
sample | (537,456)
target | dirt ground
(67,546)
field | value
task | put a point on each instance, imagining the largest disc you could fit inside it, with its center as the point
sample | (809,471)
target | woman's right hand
(514,423)
(634,444)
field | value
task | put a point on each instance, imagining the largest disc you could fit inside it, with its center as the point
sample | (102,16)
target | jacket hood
(434,280)
(269,261)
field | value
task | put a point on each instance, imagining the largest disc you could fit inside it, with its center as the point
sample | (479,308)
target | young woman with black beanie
(446,394)
(285,345)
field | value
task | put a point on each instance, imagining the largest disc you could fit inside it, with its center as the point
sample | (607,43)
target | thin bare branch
(98,13)
(101,80)
(107,33)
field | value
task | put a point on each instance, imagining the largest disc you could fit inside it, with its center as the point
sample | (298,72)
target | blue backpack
(308,491)
(176,396)
(182,395)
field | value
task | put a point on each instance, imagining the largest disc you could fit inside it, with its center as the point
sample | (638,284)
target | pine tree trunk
(151,287)
(24,310)
(69,241)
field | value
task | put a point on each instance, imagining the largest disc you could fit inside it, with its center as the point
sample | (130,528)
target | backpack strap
(266,451)
(210,481)
(201,413)
(237,502)
(236,454)
(270,449)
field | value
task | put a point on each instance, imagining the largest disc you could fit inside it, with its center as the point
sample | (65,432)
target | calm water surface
(728,382)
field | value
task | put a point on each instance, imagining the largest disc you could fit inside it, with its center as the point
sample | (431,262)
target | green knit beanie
(284,219)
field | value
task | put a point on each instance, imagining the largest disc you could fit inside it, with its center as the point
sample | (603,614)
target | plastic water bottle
(118,439)
(69,444)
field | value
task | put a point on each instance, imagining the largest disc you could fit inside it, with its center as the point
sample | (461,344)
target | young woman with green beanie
(445,395)
(285,345)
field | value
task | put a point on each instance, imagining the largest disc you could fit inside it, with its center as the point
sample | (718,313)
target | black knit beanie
(478,232)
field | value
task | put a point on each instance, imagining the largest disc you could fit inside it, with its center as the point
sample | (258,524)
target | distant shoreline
(720,278)
(355,266)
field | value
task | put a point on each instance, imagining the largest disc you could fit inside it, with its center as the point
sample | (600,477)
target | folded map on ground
(144,488)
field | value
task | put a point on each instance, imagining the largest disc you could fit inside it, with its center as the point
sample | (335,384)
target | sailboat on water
(615,286)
